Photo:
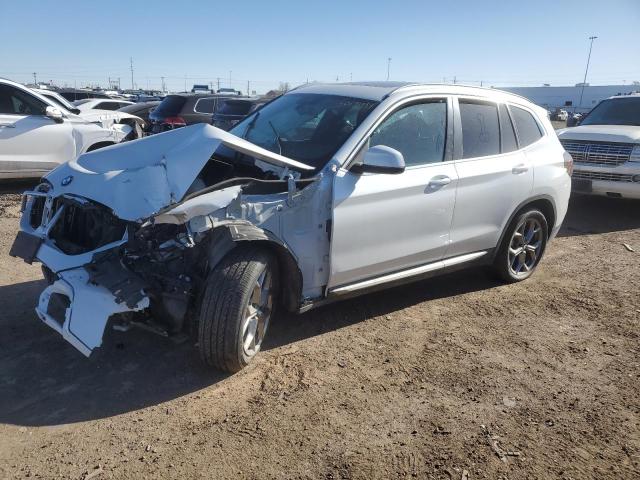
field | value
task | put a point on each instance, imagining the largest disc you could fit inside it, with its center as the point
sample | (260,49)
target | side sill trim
(411,272)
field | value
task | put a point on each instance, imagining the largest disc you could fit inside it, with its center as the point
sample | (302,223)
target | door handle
(522,168)
(7,125)
(439,181)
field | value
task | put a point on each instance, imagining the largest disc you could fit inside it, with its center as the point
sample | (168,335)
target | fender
(520,207)
(226,237)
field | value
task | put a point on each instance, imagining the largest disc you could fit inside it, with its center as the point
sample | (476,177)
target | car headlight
(635,154)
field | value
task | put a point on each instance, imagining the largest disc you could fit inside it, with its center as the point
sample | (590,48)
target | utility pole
(218,80)
(164,88)
(35,80)
(131,66)
(248,88)
(586,70)
(388,67)
(454,79)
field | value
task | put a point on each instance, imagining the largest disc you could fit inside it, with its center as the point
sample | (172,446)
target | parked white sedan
(37,135)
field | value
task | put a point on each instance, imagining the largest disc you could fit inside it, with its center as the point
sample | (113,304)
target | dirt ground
(457,377)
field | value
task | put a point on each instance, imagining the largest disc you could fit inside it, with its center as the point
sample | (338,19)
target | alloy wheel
(525,247)
(257,313)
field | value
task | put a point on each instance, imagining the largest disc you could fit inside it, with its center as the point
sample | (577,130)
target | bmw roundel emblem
(66,180)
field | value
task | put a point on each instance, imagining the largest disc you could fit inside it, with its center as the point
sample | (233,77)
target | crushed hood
(136,179)
(602,133)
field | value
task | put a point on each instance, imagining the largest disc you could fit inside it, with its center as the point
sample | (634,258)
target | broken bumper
(73,305)
(78,310)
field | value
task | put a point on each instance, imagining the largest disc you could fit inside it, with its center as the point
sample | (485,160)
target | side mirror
(380,159)
(54,114)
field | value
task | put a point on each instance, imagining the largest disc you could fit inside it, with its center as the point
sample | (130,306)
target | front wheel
(522,246)
(236,307)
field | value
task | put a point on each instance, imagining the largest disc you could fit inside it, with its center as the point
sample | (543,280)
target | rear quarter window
(204,105)
(527,127)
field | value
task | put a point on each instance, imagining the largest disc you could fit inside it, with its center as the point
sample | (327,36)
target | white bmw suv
(606,148)
(326,192)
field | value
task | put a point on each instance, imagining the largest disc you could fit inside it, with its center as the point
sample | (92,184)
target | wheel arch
(227,237)
(544,203)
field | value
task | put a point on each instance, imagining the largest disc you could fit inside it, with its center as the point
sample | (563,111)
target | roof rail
(410,85)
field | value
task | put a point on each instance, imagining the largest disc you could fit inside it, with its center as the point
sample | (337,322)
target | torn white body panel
(83,322)
(200,205)
(136,179)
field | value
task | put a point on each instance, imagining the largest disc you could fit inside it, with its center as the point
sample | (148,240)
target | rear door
(384,223)
(30,143)
(494,175)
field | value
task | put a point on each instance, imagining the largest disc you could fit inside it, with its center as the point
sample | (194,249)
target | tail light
(568,163)
(175,122)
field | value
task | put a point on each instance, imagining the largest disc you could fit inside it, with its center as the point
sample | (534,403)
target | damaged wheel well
(242,235)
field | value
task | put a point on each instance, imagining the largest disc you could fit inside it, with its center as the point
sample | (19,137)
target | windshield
(170,106)
(60,101)
(306,127)
(618,111)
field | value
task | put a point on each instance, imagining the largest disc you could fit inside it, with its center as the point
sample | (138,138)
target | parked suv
(327,192)
(606,148)
(37,134)
(231,110)
(182,109)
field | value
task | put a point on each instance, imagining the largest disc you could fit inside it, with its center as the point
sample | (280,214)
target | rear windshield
(618,111)
(233,107)
(170,106)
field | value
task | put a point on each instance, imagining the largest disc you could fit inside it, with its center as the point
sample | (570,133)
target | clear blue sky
(503,43)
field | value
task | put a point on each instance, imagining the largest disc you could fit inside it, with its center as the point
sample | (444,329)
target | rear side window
(528,129)
(170,106)
(204,105)
(480,129)
(507,135)
(417,131)
(107,106)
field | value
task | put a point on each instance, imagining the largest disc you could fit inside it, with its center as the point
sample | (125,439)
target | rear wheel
(236,308)
(522,247)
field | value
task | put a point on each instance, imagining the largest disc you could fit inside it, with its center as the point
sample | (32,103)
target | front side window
(480,129)
(528,129)
(307,127)
(417,131)
(14,101)
(617,111)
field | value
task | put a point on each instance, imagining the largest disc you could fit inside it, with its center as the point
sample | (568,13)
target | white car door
(385,223)
(494,176)
(31,143)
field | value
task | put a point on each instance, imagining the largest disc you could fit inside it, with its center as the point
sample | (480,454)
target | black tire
(224,303)
(503,264)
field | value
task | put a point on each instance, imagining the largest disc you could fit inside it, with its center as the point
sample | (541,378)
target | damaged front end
(133,242)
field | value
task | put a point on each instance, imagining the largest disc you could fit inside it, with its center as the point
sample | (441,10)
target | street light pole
(584,81)
(388,67)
